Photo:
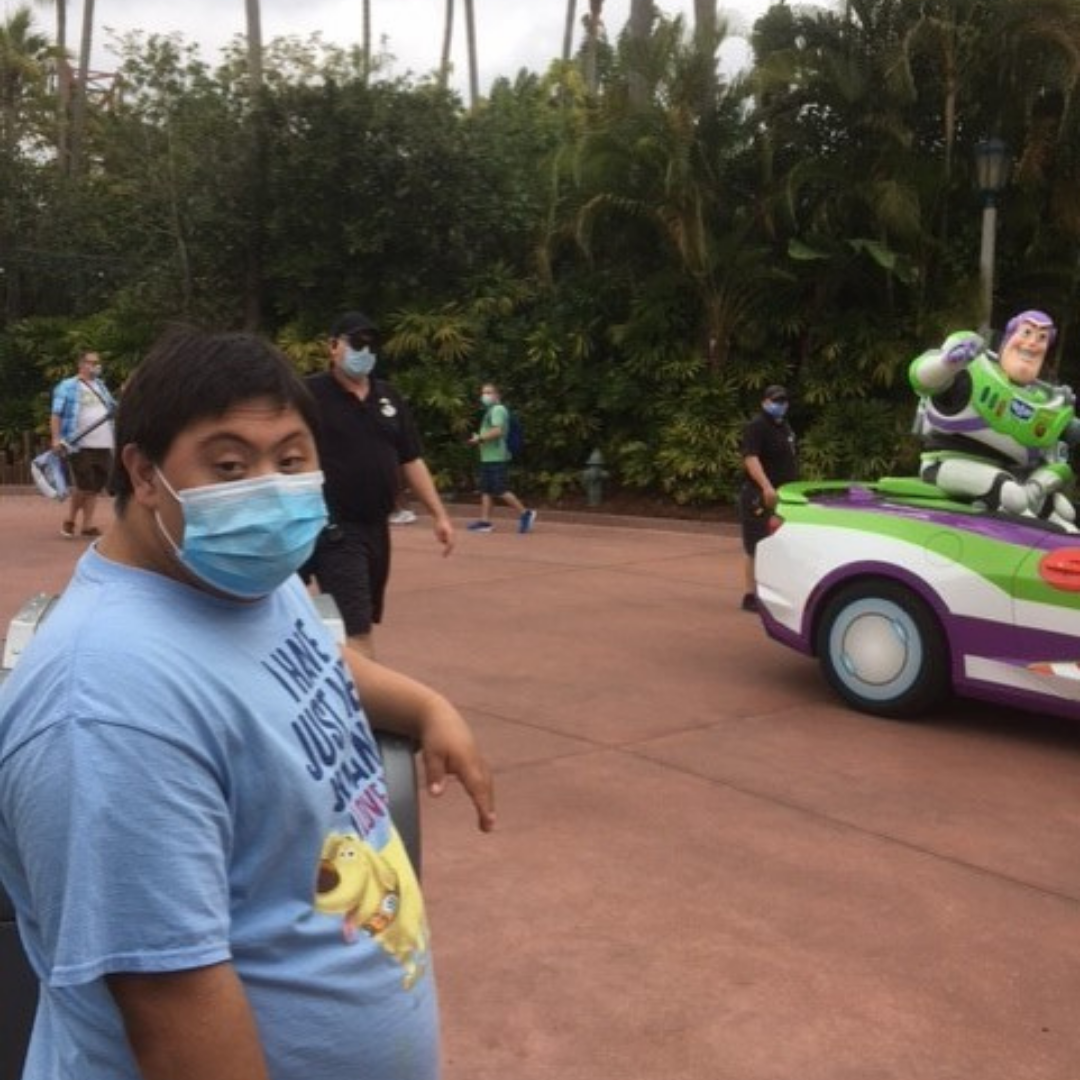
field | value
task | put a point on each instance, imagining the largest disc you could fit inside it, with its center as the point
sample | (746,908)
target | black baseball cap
(775,393)
(354,323)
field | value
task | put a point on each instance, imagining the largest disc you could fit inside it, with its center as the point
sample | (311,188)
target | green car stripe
(999,562)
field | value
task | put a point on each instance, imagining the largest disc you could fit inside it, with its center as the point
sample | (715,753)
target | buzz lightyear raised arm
(936,369)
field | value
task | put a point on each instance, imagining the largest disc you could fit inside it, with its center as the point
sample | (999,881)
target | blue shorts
(493,477)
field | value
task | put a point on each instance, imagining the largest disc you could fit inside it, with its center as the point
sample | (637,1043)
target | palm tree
(61,21)
(254,246)
(79,97)
(448,37)
(254,45)
(366,41)
(23,54)
(638,29)
(568,34)
(648,179)
(474,74)
(593,27)
(704,19)
(63,82)
(23,98)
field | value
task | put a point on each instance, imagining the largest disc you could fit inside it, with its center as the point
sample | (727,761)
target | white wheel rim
(876,649)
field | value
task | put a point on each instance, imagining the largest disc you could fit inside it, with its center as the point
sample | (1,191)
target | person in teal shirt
(495,460)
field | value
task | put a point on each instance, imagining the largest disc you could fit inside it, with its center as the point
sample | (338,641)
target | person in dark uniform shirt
(769,461)
(368,447)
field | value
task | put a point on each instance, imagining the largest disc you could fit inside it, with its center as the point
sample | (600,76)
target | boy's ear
(145,487)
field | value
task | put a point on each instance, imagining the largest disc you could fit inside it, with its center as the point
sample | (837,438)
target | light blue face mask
(776,409)
(358,362)
(247,537)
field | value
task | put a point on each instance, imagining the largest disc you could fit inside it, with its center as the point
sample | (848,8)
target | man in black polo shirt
(367,444)
(768,449)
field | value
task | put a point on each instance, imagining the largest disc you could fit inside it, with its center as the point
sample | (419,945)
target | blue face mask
(776,409)
(358,362)
(247,537)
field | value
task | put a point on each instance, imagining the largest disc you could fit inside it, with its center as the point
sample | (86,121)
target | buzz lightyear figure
(995,434)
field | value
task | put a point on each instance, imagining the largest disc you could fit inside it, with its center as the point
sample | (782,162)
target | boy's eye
(295,460)
(229,468)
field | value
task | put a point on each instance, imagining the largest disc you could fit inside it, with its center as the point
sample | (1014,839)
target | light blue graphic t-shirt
(186,780)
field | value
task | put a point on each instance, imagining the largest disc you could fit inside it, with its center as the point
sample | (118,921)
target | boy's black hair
(191,375)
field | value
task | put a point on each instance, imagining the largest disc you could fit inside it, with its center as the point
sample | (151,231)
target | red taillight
(775,521)
(1061,569)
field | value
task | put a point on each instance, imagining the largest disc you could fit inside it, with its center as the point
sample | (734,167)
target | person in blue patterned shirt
(81,429)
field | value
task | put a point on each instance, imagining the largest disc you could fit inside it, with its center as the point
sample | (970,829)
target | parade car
(905,597)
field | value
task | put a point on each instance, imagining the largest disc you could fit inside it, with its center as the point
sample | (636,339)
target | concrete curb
(458,510)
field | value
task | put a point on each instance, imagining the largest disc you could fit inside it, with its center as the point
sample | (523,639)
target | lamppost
(991,175)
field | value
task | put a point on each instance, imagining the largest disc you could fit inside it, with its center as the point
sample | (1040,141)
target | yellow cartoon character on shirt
(378,894)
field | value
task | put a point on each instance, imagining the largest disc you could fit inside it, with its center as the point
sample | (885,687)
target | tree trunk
(704,20)
(640,27)
(640,22)
(254,46)
(592,45)
(474,73)
(447,41)
(706,42)
(78,101)
(254,245)
(63,87)
(568,34)
(366,43)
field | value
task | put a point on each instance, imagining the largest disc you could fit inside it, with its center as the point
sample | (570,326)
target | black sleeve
(752,441)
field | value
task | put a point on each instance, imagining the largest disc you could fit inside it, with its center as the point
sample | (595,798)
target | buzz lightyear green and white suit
(990,440)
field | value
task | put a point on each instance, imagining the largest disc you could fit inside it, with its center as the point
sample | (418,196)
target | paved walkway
(705,868)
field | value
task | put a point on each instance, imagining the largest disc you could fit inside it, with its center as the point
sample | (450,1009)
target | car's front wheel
(882,649)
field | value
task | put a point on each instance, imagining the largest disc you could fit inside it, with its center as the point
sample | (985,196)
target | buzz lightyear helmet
(1036,318)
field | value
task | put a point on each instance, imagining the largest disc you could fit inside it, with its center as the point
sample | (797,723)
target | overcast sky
(510,33)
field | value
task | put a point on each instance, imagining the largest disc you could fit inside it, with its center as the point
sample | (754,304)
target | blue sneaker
(527,521)
(480,526)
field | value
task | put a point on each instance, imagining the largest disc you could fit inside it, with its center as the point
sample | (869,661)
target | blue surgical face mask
(247,537)
(358,362)
(776,409)
(487,400)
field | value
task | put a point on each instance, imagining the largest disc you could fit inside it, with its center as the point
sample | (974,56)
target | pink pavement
(706,868)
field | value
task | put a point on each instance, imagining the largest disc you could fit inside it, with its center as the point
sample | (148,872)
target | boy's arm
(404,706)
(190,1024)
